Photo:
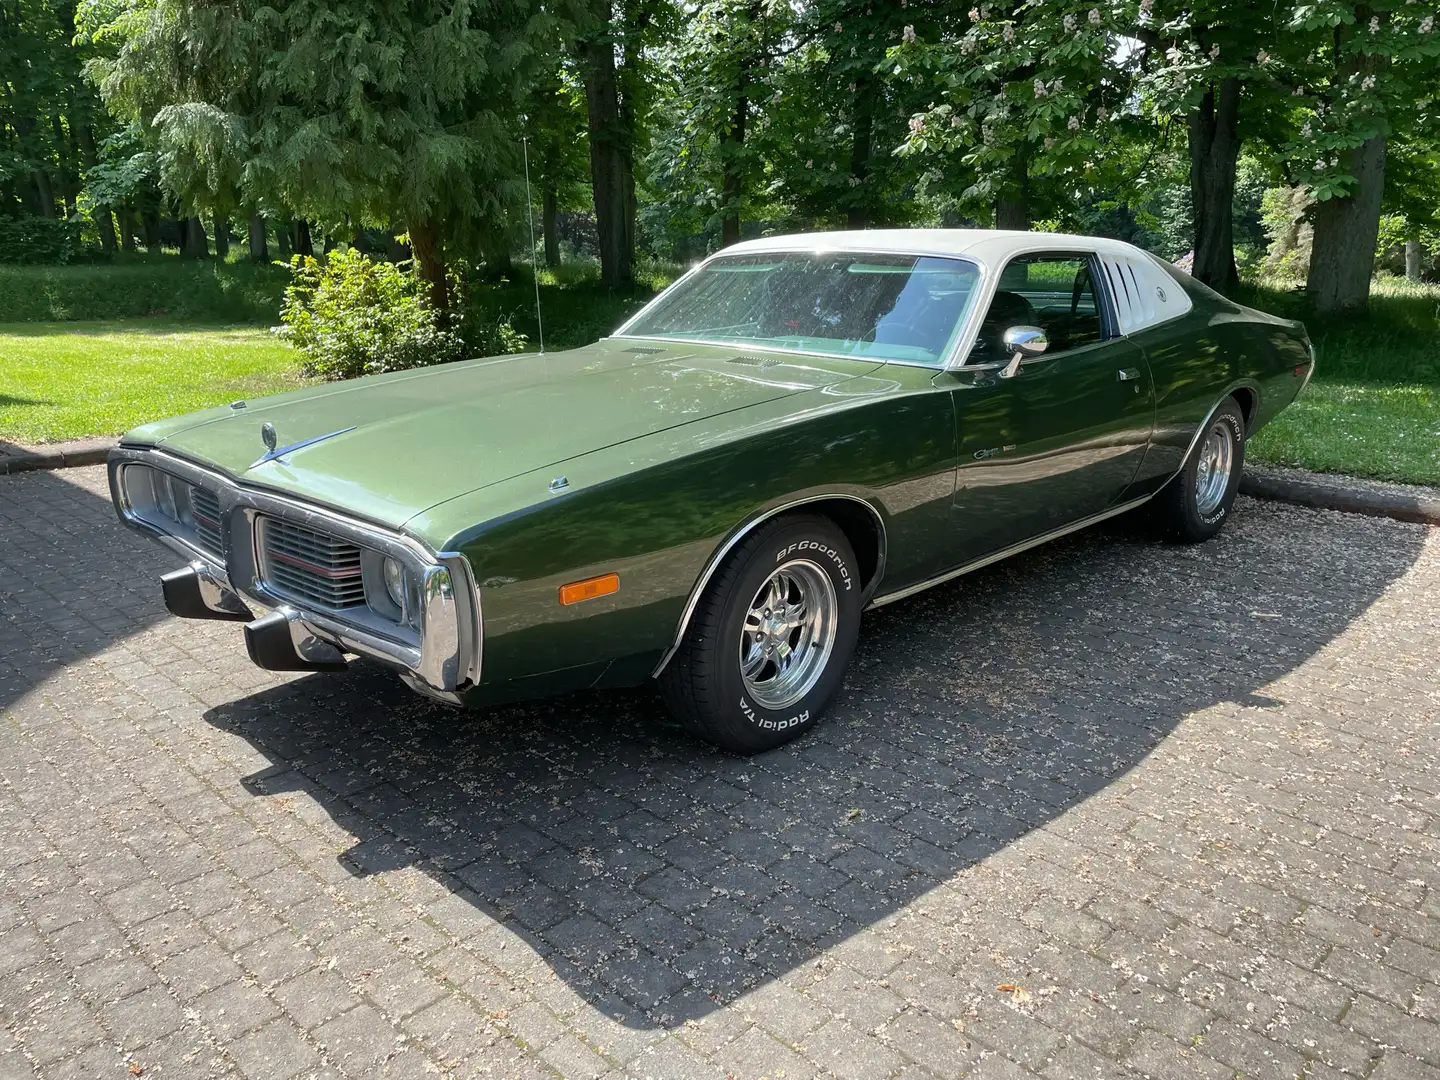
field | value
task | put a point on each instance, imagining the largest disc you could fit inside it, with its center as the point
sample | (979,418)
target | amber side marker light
(590,588)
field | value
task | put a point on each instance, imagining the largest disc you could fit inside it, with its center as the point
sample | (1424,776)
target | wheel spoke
(788,633)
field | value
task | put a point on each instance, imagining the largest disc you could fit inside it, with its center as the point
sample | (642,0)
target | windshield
(883,307)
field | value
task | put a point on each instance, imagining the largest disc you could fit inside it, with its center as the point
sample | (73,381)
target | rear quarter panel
(1197,360)
(655,510)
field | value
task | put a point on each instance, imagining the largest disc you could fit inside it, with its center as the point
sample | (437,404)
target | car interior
(1053,292)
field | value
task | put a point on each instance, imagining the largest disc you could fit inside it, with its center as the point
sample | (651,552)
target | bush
(355,316)
(30,240)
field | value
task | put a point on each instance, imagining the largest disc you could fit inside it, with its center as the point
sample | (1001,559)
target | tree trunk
(1346,231)
(430,264)
(194,242)
(1214,149)
(150,228)
(1012,204)
(107,229)
(550,226)
(259,249)
(609,158)
(1412,259)
(86,138)
(127,229)
(284,239)
(303,243)
(45,192)
(858,214)
(732,145)
(222,234)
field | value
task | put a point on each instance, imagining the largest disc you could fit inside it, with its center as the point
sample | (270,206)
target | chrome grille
(205,509)
(311,566)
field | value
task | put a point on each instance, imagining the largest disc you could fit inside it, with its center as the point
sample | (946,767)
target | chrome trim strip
(1194,439)
(744,530)
(1004,553)
(276,455)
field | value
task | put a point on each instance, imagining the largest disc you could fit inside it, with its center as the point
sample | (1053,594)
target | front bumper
(437,652)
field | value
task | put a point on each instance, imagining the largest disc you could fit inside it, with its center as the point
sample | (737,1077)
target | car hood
(388,447)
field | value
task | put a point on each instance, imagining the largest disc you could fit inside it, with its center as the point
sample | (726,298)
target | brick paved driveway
(1109,809)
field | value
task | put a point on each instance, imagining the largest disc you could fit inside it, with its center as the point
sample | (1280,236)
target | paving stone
(1190,817)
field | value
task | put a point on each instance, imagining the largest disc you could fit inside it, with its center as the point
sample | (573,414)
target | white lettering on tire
(766,724)
(820,549)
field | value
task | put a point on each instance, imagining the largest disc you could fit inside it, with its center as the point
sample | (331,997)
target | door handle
(1129,374)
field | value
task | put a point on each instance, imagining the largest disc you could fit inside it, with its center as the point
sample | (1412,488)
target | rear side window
(1054,292)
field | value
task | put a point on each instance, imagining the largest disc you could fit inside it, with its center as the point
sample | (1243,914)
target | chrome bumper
(437,658)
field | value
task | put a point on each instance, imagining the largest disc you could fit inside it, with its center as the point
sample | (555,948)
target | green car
(800,428)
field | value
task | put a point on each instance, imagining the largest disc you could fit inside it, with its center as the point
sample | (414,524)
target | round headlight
(394,575)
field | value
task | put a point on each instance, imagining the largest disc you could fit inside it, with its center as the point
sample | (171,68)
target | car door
(1062,437)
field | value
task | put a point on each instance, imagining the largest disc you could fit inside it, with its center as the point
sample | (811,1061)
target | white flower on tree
(1070,24)
(917,125)
(1094,16)
(908,34)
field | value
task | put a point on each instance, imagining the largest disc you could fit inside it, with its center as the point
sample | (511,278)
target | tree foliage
(680,127)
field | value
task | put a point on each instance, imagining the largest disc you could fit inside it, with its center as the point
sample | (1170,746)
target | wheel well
(1248,401)
(861,527)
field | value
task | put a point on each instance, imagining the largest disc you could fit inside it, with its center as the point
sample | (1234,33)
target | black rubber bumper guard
(268,639)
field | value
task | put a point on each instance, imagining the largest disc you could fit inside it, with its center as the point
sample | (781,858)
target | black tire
(703,684)
(1178,504)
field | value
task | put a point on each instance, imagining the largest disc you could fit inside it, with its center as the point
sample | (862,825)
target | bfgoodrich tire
(769,642)
(1195,505)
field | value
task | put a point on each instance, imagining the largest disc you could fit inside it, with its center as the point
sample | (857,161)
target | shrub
(30,240)
(355,316)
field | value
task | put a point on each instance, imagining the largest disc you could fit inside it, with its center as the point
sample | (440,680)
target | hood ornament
(273,453)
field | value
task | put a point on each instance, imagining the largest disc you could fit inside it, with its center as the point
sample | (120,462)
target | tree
(344,112)
(1030,100)
(1372,70)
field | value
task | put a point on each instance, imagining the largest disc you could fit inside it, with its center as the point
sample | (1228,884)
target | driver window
(1053,292)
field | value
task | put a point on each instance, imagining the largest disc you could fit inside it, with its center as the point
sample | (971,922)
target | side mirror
(1022,342)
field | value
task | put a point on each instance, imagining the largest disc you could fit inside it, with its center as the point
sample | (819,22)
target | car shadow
(645,867)
(74,583)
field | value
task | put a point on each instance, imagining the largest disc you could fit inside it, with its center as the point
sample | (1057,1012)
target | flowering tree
(1028,99)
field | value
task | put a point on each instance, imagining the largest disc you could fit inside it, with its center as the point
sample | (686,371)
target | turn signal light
(590,588)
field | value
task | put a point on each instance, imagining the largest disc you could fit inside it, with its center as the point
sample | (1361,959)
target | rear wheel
(768,645)
(1193,506)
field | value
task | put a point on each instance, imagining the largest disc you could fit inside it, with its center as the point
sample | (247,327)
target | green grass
(68,380)
(1373,408)
(166,286)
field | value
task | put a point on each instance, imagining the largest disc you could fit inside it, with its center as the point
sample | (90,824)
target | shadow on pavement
(73,581)
(646,868)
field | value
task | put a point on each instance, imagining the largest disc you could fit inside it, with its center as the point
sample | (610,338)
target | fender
(713,564)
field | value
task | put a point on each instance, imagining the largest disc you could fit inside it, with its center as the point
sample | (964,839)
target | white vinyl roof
(985,245)
(1144,294)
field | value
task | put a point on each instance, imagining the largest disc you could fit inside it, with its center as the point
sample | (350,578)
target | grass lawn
(68,380)
(1373,408)
(1364,429)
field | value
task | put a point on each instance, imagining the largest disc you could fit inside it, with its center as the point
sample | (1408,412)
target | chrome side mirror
(1022,342)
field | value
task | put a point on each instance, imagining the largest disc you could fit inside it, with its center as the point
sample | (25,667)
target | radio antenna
(534,260)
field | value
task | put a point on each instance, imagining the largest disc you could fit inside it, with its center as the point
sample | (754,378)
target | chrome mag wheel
(1212,474)
(788,634)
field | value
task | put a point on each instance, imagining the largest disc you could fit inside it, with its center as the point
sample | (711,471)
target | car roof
(988,245)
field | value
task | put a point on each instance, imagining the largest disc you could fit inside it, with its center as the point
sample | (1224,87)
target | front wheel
(1193,507)
(768,645)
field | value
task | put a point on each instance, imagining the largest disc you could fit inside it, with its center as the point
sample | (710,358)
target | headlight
(394,575)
